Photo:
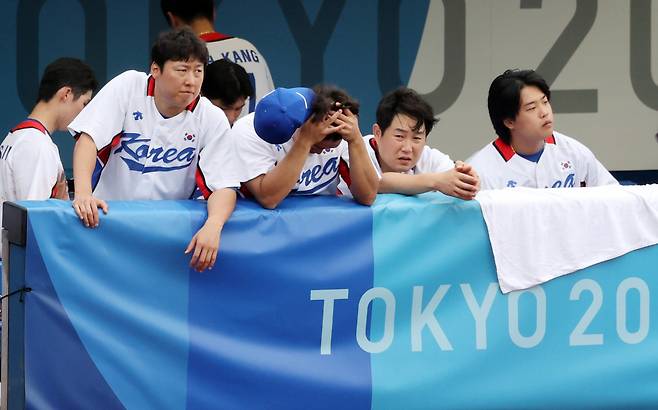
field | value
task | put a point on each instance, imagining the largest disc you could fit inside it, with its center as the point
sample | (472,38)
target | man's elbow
(258,192)
(268,202)
(268,205)
(367,198)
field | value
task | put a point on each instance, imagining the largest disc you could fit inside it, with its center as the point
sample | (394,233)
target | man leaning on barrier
(154,137)
(301,142)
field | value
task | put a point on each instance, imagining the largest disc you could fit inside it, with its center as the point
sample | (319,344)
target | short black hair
(188,10)
(504,99)
(178,45)
(226,81)
(66,72)
(330,97)
(405,101)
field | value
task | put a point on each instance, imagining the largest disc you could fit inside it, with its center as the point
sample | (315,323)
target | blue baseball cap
(281,112)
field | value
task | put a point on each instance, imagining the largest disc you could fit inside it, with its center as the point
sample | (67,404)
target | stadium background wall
(597,56)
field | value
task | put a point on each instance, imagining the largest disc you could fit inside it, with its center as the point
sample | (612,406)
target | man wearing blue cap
(301,142)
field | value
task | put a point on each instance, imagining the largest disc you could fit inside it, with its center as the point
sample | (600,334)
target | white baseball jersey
(30,166)
(565,162)
(242,52)
(320,173)
(143,155)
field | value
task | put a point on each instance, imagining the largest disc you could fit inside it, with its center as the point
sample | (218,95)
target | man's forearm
(362,172)
(84,161)
(221,204)
(276,184)
(397,183)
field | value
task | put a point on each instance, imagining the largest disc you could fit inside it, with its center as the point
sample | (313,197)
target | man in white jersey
(200,16)
(156,138)
(307,160)
(528,152)
(398,148)
(30,165)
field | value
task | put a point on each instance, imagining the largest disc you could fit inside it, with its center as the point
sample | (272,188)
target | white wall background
(500,34)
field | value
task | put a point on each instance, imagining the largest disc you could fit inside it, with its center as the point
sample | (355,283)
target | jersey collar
(191,106)
(373,144)
(150,86)
(507,152)
(31,123)
(214,36)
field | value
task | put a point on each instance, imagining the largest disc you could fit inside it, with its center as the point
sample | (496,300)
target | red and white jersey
(320,173)
(431,160)
(242,52)
(565,162)
(144,155)
(30,166)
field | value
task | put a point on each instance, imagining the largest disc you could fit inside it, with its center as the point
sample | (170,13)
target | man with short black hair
(199,15)
(30,165)
(398,147)
(227,85)
(528,152)
(156,138)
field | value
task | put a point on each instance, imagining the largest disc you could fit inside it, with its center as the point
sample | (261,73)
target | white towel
(540,234)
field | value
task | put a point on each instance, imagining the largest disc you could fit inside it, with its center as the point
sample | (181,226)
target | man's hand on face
(350,123)
(313,132)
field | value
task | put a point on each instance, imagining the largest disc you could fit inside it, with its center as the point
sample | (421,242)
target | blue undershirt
(533,157)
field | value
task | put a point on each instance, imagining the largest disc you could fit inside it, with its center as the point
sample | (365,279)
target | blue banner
(321,304)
